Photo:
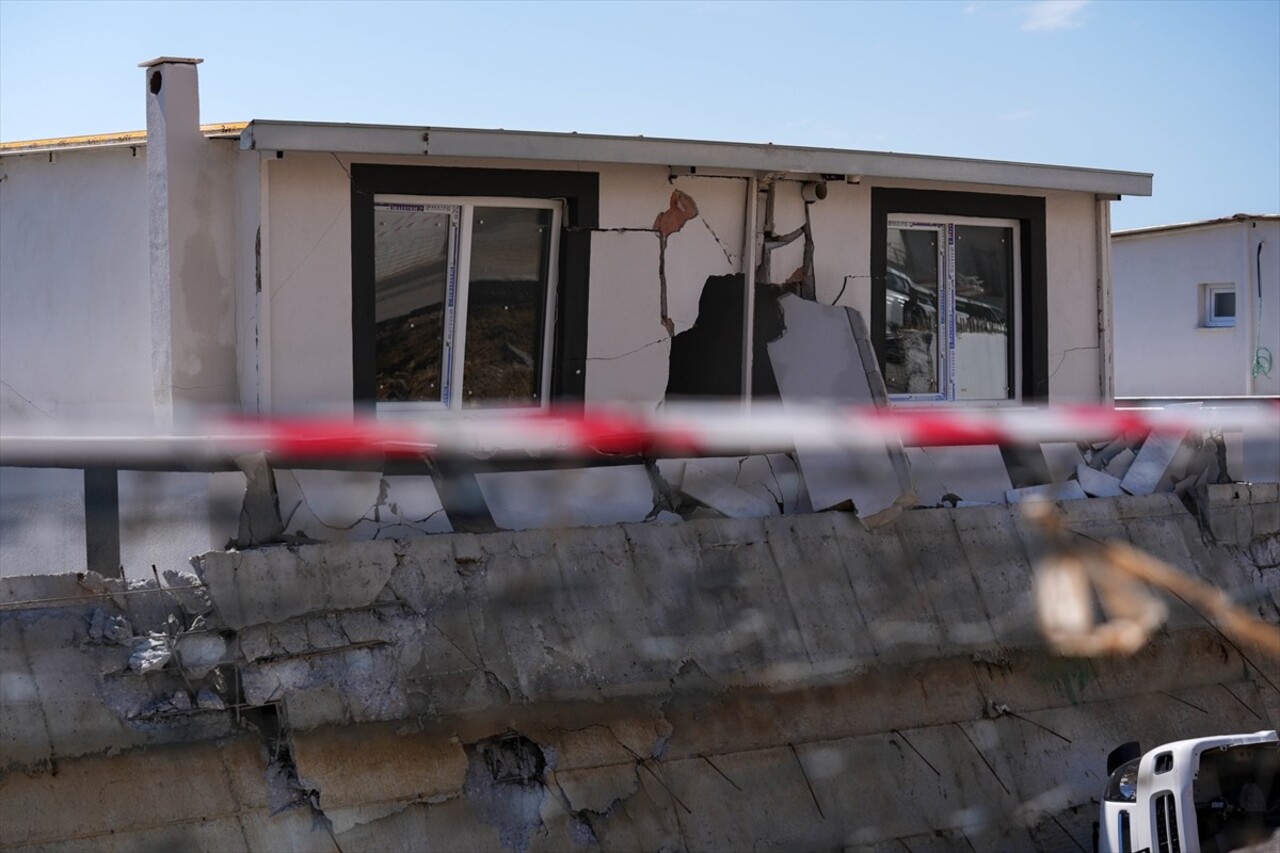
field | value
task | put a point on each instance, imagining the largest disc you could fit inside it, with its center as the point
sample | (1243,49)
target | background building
(1197,308)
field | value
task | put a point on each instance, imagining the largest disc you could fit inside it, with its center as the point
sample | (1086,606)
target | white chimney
(174,151)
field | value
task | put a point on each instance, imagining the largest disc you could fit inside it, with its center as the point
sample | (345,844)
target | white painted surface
(75,343)
(306,283)
(1162,347)
(1072,269)
(190,195)
(627,347)
(841,225)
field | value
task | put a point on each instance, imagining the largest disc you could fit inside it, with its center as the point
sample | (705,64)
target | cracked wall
(799,680)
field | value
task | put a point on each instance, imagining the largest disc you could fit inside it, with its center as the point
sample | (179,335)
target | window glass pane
(984,303)
(506,306)
(412,277)
(911,311)
(1224,304)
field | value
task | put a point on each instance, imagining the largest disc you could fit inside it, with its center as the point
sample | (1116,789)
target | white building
(276,267)
(1197,308)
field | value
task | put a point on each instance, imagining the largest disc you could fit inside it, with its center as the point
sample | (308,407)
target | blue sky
(1189,91)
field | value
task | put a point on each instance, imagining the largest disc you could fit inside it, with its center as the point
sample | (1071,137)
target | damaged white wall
(307,262)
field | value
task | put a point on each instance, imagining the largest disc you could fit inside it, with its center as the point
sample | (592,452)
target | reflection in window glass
(506,306)
(412,251)
(983,304)
(912,286)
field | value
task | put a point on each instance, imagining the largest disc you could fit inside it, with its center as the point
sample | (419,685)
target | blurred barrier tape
(709,430)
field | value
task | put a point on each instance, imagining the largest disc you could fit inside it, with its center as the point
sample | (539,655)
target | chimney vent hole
(155,82)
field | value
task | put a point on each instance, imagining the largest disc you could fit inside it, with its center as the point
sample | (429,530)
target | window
(1219,305)
(951,292)
(464,252)
(463,303)
(959,295)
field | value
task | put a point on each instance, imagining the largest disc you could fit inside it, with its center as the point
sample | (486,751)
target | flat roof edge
(220,130)
(1198,223)
(638,150)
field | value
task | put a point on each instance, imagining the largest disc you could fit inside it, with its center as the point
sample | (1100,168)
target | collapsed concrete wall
(793,682)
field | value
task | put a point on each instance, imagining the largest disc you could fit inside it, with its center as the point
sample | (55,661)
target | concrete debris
(1103,454)
(1097,484)
(819,357)
(188,591)
(150,652)
(107,627)
(722,496)
(200,652)
(1119,464)
(208,700)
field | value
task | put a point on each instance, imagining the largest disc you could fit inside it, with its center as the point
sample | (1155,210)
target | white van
(1211,795)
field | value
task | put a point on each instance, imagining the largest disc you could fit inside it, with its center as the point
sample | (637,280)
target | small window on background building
(1219,305)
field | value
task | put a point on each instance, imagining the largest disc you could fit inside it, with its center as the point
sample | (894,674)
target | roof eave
(129,138)
(1199,223)
(590,148)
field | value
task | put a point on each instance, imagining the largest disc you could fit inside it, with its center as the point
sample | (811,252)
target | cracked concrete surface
(675,682)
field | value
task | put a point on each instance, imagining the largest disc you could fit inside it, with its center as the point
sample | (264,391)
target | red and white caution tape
(709,430)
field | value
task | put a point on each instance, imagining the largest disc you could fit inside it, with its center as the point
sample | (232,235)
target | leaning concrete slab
(818,359)
(1155,457)
(1062,457)
(1097,484)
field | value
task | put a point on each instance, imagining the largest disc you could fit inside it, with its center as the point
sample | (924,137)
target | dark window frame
(580,192)
(1029,211)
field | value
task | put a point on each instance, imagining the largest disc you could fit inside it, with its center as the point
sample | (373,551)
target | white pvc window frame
(1212,319)
(946,228)
(454,345)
